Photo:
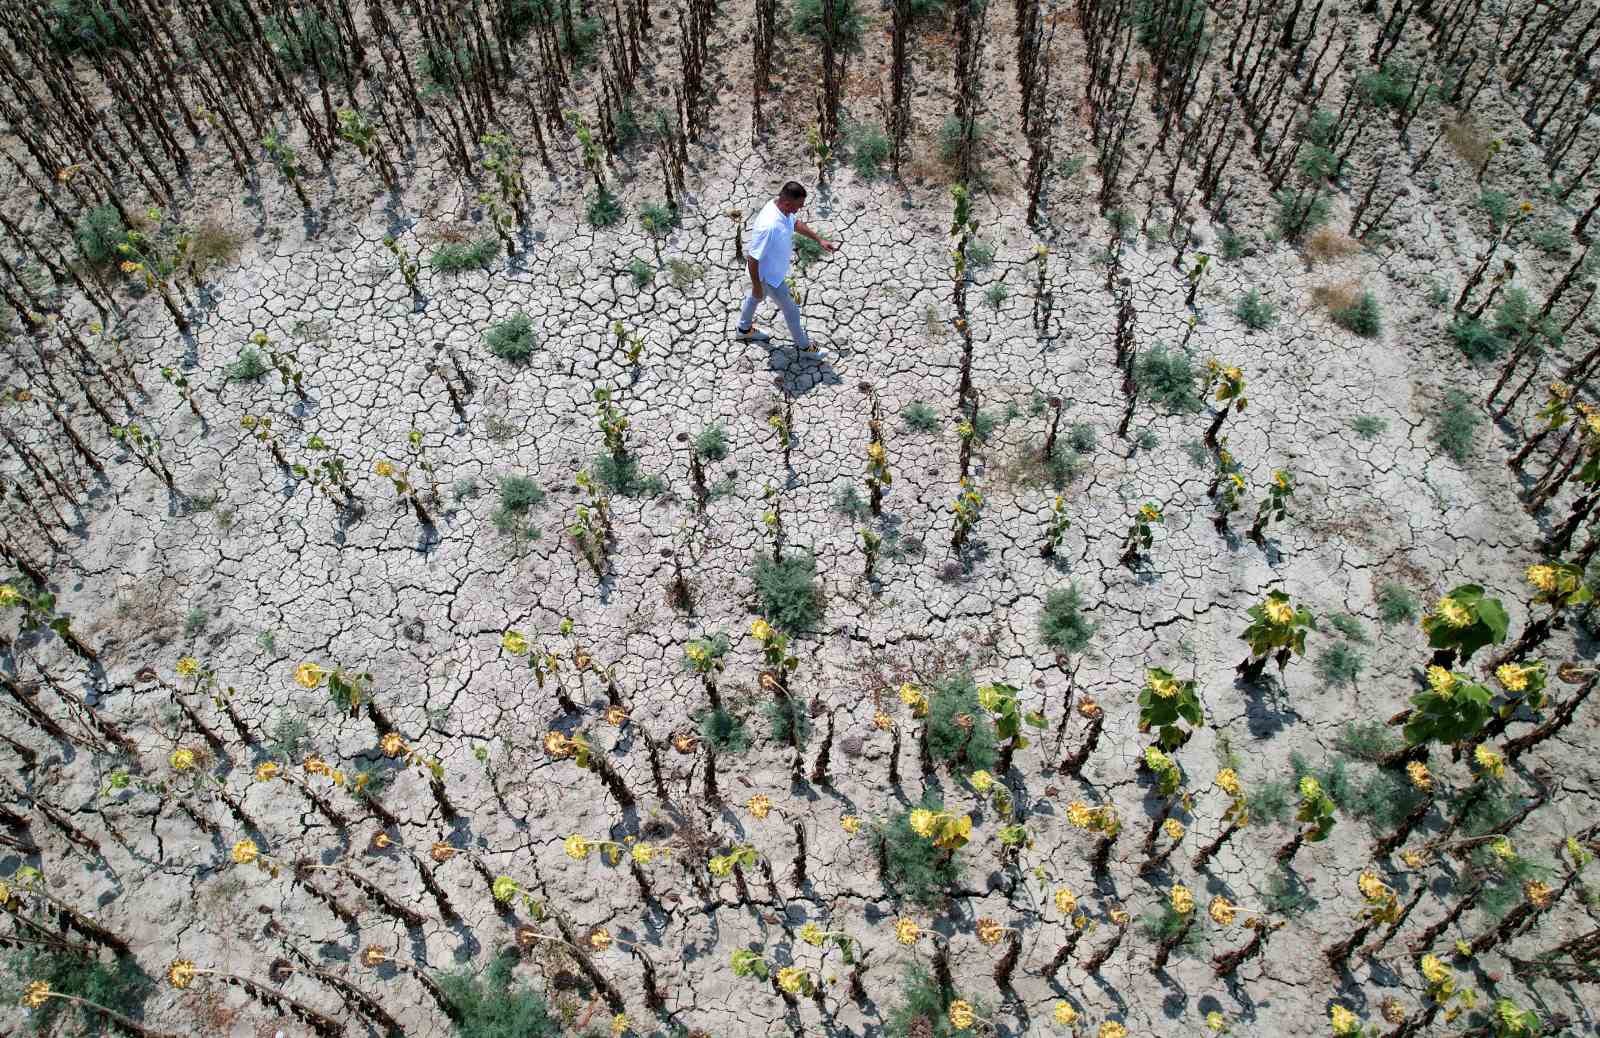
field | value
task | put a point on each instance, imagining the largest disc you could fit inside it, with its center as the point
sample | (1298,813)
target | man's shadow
(799,373)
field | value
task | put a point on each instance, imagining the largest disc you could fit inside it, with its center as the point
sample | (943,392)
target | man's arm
(754,266)
(801,228)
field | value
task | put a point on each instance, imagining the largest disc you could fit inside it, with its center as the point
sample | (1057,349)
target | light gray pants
(791,313)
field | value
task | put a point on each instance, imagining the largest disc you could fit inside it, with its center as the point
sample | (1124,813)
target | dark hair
(793,190)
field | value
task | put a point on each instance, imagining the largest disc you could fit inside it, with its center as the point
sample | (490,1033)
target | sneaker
(751,334)
(816,353)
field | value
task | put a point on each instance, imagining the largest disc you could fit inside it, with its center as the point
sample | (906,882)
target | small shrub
(1350,627)
(1476,340)
(1381,799)
(657,220)
(724,732)
(1081,437)
(455,257)
(1162,923)
(641,272)
(1198,454)
(1233,246)
(1123,224)
(1388,87)
(996,294)
(847,500)
(512,339)
(1256,313)
(1369,427)
(1319,126)
(1062,625)
(1063,466)
(120,985)
(602,209)
(1317,164)
(952,741)
(1368,741)
(287,736)
(1300,212)
(980,255)
(1269,802)
(913,866)
(1167,379)
(1325,244)
(1072,165)
(1456,425)
(790,598)
(248,366)
(683,273)
(1287,894)
(869,151)
(519,493)
(88,25)
(712,443)
(919,417)
(99,233)
(1362,317)
(1339,665)
(788,720)
(1397,605)
(623,477)
(1147,440)
(949,140)
(1552,238)
(305,40)
(1497,206)
(489,1005)
(806,20)
(806,252)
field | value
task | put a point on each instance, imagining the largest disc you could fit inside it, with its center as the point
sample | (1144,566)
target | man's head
(790,198)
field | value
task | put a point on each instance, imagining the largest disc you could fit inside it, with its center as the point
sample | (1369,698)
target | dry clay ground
(282,579)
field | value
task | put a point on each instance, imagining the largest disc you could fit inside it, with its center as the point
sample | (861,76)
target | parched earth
(254,571)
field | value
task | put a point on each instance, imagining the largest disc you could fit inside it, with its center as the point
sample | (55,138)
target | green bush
(869,151)
(454,257)
(790,598)
(1369,427)
(919,417)
(1339,665)
(1455,427)
(806,252)
(519,493)
(1062,625)
(971,746)
(847,500)
(512,339)
(980,254)
(1268,802)
(1287,894)
(1123,224)
(641,272)
(724,732)
(1552,238)
(99,233)
(1233,245)
(1318,127)
(1497,205)
(658,220)
(1300,212)
(788,721)
(305,40)
(602,209)
(1256,313)
(489,1005)
(1063,466)
(1476,340)
(1388,87)
(1396,605)
(712,443)
(1167,379)
(1081,437)
(1513,319)
(622,476)
(1368,741)
(1317,163)
(1349,626)
(923,1013)
(913,866)
(949,139)
(88,25)
(120,985)
(1157,23)
(848,26)
(248,366)
(1361,317)
(996,294)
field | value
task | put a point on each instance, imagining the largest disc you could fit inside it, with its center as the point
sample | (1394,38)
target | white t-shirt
(772,243)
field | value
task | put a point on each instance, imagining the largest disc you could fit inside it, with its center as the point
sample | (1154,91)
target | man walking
(767,256)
